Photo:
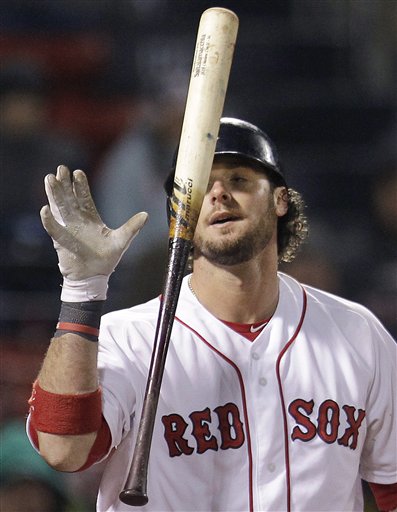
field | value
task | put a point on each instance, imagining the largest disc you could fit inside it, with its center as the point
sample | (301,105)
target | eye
(238,179)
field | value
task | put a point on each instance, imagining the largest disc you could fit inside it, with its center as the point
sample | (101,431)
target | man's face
(239,215)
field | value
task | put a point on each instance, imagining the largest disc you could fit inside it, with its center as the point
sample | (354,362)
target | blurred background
(101,85)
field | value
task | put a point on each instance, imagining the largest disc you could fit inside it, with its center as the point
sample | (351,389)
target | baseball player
(276,396)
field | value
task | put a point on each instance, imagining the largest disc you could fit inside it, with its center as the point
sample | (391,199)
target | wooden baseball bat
(216,38)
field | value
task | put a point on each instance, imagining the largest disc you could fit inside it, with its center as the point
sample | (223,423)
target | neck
(244,293)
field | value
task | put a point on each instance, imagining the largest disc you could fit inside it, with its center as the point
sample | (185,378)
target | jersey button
(255,356)
(271,467)
(263,381)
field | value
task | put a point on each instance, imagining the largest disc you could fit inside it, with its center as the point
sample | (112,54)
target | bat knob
(133,497)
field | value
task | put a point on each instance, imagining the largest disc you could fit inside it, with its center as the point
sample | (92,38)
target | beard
(233,250)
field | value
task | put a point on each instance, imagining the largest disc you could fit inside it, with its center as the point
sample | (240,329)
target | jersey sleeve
(121,374)
(379,457)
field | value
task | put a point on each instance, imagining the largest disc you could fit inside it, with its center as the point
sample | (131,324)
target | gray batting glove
(87,249)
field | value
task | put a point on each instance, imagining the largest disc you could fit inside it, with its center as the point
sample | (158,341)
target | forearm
(69,368)
(66,408)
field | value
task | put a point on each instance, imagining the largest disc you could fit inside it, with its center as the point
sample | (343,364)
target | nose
(218,192)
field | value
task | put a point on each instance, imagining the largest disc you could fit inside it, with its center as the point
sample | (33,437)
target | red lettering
(201,431)
(310,429)
(328,421)
(229,422)
(352,430)
(174,428)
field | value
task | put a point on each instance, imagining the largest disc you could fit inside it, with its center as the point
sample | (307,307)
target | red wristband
(65,414)
(77,328)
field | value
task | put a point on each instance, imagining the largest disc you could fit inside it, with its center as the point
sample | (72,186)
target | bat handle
(135,493)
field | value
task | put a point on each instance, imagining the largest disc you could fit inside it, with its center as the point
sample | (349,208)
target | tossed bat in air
(216,38)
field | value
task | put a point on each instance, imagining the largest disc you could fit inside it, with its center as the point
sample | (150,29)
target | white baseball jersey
(289,422)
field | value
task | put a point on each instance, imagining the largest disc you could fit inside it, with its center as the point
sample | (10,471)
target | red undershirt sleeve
(100,447)
(385,496)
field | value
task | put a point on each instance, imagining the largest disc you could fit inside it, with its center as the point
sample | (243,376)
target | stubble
(229,249)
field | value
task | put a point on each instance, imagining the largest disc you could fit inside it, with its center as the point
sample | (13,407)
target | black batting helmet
(246,141)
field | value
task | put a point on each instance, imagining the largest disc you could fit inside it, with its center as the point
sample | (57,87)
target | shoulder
(350,316)
(141,313)
(327,300)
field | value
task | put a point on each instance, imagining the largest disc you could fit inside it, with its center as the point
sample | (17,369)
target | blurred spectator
(130,179)
(28,484)
(374,276)
(30,149)
(20,364)
(314,268)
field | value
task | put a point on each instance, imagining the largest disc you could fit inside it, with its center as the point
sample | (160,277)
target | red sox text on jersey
(323,421)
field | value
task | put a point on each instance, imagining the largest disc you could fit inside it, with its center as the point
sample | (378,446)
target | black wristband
(82,318)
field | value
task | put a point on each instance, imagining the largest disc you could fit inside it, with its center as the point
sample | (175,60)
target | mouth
(221,218)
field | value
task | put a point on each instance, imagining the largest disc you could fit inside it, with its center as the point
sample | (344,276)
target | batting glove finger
(86,247)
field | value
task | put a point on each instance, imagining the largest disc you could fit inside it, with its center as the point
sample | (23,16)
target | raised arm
(66,402)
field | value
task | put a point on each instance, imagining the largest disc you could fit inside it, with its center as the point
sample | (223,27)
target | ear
(280,196)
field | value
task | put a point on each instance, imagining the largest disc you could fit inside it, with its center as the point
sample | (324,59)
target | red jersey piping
(242,387)
(280,386)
